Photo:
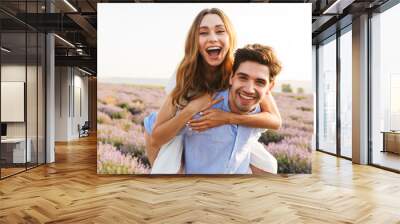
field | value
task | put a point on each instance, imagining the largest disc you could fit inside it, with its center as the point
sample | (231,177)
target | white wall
(360,90)
(33,126)
(12,73)
(62,82)
(50,94)
(81,94)
(70,83)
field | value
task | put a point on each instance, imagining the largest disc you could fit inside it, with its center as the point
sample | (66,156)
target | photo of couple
(215,115)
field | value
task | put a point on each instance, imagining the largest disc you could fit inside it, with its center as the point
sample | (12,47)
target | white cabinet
(18,149)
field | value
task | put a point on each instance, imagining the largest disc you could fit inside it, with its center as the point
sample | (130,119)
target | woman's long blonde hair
(191,79)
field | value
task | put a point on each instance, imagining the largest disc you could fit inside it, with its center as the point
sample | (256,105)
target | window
(385,87)
(346,74)
(327,96)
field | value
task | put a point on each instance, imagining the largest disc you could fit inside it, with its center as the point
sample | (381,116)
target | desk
(391,141)
(16,147)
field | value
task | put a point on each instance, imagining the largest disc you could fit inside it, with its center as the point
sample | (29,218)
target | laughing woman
(204,70)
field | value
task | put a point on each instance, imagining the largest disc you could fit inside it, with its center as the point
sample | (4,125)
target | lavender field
(122,108)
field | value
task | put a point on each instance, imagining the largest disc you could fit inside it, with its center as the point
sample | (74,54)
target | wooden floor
(70,191)
(387,159)
(10,171)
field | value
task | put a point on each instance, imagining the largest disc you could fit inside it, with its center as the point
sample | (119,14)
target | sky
(146,40)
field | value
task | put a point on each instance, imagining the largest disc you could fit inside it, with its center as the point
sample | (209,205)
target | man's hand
(209,119)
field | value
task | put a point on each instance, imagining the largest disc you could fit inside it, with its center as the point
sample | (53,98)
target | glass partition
(385,88)
(327,95)
(346,93)
(22,88)
(33,56)
(41,109)
(14,153)
(31,97)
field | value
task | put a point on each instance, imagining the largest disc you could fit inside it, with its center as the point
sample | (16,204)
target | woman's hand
(202,103)
(209,119)
(269,117)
